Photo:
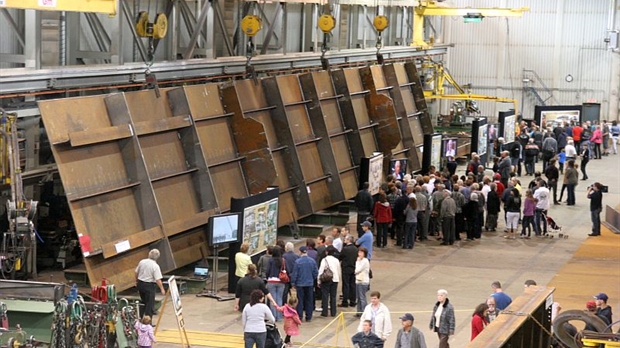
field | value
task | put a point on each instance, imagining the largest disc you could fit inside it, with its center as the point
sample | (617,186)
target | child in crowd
(291,319)
(528,214)
(561,160)
(146,337)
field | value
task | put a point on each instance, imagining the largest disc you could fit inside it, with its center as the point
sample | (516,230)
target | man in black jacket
(348,256)
(553,174)
(364,205)
(596,206)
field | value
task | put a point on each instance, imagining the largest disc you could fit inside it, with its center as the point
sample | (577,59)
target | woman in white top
(362,278)
(570,151)
(253,320)
(329,289)
(379,314)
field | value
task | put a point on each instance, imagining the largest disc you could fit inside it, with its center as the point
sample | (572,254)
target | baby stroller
(553,227)
(274,339)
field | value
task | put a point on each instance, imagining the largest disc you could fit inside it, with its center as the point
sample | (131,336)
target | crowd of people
(453,208)
(411,209)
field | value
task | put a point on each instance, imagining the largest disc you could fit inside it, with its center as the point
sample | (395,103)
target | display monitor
(450,146)
(398,168)
(224,229)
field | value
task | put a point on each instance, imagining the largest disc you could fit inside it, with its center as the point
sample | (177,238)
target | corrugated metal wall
(9,43)
(555,38)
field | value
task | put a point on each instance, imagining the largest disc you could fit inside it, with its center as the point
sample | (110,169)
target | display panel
(260,225)
(398,168)
(552,118)
(492,132)
(224,229)
(482,139)
(436,151)
(375,173)
(509,129)
(449,147)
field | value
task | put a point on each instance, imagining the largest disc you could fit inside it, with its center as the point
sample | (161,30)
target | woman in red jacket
(479,320)
(382,213)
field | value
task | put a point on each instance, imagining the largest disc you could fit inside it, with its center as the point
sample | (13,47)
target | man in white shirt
(541,196)
(570,151)
(148,276)
(337,242)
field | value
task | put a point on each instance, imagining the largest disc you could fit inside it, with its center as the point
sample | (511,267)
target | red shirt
(577,130)
(500,187)
(477,325)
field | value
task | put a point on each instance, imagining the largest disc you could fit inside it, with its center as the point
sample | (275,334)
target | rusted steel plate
(91,137)
(230,182)
(119,271)
(347,113)
(311,162)
(381,110)
(107,218)
(252,143)
(177,199)
(292,163)
(349,180)
(392,79)
(204,100)
(418,96)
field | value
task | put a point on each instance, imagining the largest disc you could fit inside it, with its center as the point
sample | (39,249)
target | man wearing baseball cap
(366,239)
(603,310)
(409,336)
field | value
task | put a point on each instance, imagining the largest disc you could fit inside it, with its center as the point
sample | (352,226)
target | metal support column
(32,39)
(222,23)
(272,25)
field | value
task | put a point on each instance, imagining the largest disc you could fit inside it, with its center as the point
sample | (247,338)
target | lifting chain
(128,317)
(59,324)
(97,321)
(326,23)
(76,322)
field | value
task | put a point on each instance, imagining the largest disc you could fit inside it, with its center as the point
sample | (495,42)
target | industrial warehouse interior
(171,168)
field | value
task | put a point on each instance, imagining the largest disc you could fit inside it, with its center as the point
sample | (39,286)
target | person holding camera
(595,195)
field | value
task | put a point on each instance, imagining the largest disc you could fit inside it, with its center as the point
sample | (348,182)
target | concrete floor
(408,279)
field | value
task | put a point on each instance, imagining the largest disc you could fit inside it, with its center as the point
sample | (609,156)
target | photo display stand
(258,226)
(223,229)
(431,152)
(480,140)
(507,125)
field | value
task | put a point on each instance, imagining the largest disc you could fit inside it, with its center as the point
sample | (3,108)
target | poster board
(507,126)
(371,171)
(431,152)
(554,115)
(175,297)
(480,139)
(260,225)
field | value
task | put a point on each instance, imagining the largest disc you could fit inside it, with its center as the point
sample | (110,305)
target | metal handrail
(539,80)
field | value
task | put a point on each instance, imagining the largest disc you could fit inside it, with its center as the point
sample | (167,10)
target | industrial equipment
(250,25)
(380,23)
(327,23)
(566,333)
(94,6)
(432,8)
(18,251)
(436,75)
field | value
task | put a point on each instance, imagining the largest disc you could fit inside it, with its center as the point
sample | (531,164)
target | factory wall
(555,38)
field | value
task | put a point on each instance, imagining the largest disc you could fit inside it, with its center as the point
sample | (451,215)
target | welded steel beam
(26,80)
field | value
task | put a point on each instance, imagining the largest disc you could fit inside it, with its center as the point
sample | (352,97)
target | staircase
(534,86)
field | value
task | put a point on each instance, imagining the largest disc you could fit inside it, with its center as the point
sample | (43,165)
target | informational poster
(449,147)
(482,139)
(552,118)
(175,297)
(375,174)
(260,225)
(509,129)
(436,151)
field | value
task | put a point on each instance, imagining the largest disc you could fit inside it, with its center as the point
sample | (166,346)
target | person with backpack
(585,137)
(531,153)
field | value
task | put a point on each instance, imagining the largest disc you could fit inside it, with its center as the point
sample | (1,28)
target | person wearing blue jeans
(362,278)
(302,279)
(276,289)
(571,178)
(253,320)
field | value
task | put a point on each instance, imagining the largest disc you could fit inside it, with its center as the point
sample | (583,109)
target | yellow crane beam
(430,95)
(430,8)
(96,6)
